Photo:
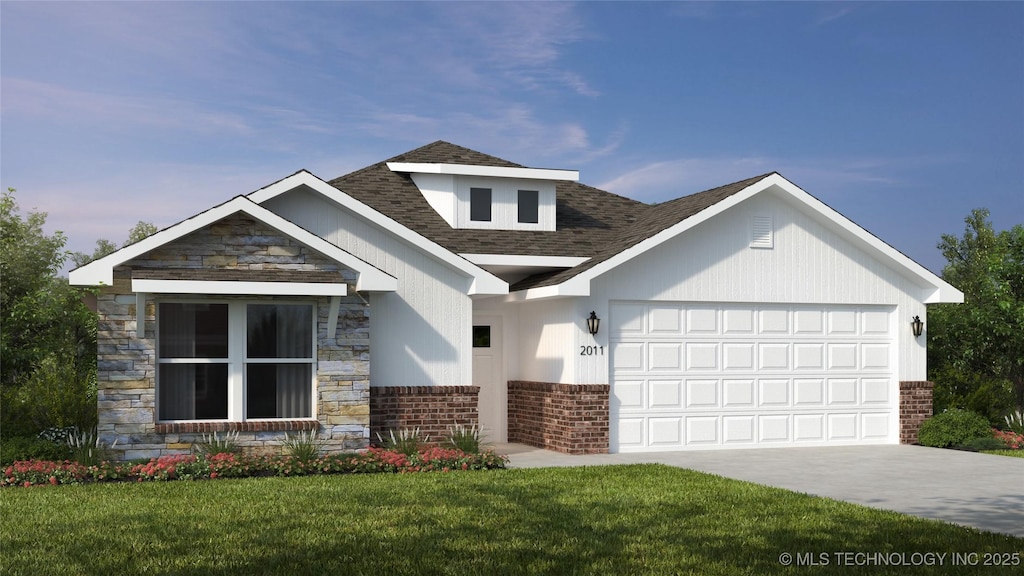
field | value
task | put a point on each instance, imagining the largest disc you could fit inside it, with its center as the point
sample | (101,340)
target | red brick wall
(432,409)
(915,408)
(566,418)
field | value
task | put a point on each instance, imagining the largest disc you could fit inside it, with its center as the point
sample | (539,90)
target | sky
(901,116)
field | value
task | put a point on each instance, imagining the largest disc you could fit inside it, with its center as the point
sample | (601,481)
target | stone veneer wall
(570,418)
(234,248)
(915,408)
(431,409)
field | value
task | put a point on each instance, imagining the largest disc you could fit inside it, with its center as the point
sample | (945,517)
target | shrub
(465,439)
(1011,439)
(86,447)
(406,442)
(31,448)
(954,427)
(981,444)
(1015,422)
(213,444)
(305,447)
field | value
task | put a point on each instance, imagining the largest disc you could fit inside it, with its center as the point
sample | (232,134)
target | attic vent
(763,232)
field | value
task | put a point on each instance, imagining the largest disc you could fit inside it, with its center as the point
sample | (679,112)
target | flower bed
(199,467)
(1013,440)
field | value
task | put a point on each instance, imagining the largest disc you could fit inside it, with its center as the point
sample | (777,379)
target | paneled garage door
(698,375)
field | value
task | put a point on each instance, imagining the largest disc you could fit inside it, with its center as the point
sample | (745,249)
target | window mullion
(236,355)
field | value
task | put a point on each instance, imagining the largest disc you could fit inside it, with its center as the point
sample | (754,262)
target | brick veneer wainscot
(431,409)
(235,248)
(570,418)
(915,408)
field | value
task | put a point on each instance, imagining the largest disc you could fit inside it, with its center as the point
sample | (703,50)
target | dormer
(489,197)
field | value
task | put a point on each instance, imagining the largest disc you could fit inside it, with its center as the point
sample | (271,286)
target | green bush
(212,444)
(31,448)
(954,427)
(982,444)
(1015,422)
(990,397)
(468,439)
(304,447)
(406,442)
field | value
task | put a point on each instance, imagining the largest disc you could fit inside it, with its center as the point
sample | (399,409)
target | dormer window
(529,206)
(480,204)
(470,196)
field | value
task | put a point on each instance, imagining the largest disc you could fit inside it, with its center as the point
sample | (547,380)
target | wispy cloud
(664,180)
(832,13)
(56,103)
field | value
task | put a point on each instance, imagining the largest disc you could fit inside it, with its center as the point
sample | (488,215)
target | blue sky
(902,116)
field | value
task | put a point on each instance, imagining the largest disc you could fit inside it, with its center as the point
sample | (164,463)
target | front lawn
(1007,452)
(589,520)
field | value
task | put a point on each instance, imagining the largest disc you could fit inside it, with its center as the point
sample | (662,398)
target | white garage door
(698,375)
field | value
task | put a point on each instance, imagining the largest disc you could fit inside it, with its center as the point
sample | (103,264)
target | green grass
(1014,453)
(592,520)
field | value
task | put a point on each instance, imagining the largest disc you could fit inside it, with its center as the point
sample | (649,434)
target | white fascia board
(546,292)
(492,171)
(525,260)
(149,286)
(101,271)
(483,282)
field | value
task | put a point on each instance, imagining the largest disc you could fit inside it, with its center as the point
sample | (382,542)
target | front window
(235,361)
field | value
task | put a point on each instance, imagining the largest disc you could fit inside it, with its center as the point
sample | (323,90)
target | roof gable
(101,271)
(483,281)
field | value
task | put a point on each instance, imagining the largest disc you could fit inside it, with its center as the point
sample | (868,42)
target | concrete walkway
(979,490)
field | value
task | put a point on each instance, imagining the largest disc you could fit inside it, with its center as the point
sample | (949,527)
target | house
(445,286)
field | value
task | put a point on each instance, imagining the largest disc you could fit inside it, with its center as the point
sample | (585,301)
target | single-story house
(445,286)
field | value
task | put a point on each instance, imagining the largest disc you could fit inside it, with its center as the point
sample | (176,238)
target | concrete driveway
(979,490)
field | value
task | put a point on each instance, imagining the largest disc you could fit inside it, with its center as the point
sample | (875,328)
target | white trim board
(101,271)
(492,171)
(150,286)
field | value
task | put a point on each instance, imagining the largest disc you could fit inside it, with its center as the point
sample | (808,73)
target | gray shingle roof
(590,222)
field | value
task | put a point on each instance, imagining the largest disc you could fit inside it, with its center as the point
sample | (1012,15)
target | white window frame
(237,358)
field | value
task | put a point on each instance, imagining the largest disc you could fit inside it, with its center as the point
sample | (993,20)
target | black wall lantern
(593,323)
(917,326)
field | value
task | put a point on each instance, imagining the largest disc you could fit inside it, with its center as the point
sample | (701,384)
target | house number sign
(591,350)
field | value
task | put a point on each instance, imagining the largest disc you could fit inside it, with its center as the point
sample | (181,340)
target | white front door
(488,374)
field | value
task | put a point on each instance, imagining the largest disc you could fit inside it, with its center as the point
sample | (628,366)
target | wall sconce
(917,326)
(593,323)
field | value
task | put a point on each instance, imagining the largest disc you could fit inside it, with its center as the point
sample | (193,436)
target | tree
(29,261)
(48,336)
(976,349)
(104,247)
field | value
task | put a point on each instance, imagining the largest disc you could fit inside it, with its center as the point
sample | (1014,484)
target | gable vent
(763,232)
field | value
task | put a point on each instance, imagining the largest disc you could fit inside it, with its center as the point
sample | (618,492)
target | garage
(712,375)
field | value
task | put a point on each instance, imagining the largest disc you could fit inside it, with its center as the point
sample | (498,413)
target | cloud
(668,179)
(61,104)
(833,13)
(514,131)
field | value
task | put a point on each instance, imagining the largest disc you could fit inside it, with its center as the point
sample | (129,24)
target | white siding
(420,334)
(808,263)
(505,203)
(547,337)
(438,189)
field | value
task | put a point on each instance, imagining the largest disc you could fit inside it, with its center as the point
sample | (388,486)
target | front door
(488,374)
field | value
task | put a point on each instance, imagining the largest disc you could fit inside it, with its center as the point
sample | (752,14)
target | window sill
(250,426)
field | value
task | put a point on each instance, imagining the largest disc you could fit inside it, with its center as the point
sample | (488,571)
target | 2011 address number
(591,350)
